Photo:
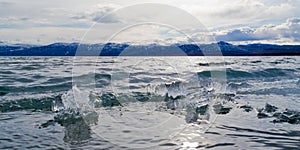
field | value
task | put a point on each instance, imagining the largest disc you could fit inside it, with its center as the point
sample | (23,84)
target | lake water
(150,102)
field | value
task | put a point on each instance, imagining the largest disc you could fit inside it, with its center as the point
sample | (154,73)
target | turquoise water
(150,102)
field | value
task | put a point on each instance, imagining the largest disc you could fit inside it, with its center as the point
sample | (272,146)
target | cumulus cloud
(241,12)
(100,14)
(5,4)
(288,31)
(237,20)
(243,34)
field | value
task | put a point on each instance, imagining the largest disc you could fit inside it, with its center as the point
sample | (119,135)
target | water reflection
(77,132)
(77,126)
(276,139)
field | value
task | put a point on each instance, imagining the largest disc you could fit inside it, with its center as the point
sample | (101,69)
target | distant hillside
(114,49)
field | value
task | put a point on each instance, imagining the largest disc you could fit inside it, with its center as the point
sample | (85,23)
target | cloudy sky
(96,21)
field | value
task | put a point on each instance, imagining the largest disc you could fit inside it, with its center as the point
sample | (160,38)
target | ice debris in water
(270,111)
(269,108)
(266,112)
(78,100)
(68,100)
(175,89)
(221,109)
(196,113)
(247,108)
(214,99)
(156,89)
(75,100)
(109,100)
(289,116)
(172,89)
(57,105)
(195,107)
(75,105)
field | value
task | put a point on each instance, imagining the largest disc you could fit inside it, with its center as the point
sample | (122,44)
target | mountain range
(125,49)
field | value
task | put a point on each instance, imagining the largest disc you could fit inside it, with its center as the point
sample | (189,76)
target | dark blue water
(149,103)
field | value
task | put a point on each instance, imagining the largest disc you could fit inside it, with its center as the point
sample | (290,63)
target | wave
(215,64)
(3,91)
(173,98)
(52,84)
(58,87)
(238,74)
(45,103)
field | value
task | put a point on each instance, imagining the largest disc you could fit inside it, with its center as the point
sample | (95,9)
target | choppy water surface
(150,102)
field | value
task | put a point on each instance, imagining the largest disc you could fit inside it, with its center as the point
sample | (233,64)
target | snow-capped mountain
(125,49)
